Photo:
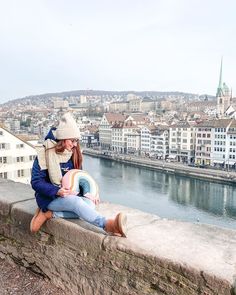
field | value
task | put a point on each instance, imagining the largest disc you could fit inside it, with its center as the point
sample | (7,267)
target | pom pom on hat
(67,128)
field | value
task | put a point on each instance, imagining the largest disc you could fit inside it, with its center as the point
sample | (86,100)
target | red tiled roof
(113,117)
(221,123)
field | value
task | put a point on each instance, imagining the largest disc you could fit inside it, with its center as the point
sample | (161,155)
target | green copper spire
(220,86)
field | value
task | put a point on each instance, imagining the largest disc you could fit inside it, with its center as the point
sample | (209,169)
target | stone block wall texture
(159,256)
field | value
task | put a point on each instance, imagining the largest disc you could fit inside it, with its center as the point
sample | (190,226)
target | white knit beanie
(67,128)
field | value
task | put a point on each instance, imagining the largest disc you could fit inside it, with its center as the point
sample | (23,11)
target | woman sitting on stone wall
(60,153)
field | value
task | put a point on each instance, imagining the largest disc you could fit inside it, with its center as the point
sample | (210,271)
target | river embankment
(212,175)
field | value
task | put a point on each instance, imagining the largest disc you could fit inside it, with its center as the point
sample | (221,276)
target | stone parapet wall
(159,256)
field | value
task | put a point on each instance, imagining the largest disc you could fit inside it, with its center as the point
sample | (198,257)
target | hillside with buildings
(173,126)
(104,95)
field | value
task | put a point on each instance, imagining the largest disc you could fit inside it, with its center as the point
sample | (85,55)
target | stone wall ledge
(159,256)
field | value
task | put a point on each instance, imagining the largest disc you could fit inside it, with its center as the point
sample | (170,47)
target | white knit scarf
(49,159)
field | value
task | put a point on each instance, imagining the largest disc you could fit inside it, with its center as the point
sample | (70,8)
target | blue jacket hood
(50,134)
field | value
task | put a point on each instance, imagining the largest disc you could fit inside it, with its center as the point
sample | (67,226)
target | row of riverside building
(210,143)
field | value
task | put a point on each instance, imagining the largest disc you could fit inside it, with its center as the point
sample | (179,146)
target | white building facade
(120,132)
(16,157)
(105,128)
(216,143)
(145,140)
(182,142)
(204,137)
(160,143)
(133,141)
(231,144)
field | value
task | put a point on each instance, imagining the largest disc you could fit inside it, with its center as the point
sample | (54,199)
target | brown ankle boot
(39,219)
(117,226)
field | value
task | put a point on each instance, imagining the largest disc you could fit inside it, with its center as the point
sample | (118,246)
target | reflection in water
(166,195)
(200,194)
(230,206)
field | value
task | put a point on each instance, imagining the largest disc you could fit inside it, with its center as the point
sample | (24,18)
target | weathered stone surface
(159,256)
(204,247)
(22,212)
(76,233)
(12,192)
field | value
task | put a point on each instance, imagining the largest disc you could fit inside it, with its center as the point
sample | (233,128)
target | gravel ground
(17,280)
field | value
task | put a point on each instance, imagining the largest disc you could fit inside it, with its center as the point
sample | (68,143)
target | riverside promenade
(213,175)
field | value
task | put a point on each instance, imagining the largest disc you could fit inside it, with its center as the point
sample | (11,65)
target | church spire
(223,95)
(220,81)
(220,86)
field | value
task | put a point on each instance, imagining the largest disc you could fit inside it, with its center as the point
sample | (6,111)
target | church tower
(223,95)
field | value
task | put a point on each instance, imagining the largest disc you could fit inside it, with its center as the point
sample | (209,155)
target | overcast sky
(162,45)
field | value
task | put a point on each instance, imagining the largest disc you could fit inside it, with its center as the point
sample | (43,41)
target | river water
(166,195)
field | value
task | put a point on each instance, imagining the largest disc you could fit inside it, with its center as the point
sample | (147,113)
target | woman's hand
(64,192)
(95,199)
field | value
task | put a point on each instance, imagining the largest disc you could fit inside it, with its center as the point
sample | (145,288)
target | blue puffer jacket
(45,191)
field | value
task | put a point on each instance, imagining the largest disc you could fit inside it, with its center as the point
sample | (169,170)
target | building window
(19,159)
(3,160)
(20,173)
(1,133)
(3,175)
(20,146)
(2,146)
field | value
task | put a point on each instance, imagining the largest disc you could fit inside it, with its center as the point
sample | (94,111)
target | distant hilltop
(66,94)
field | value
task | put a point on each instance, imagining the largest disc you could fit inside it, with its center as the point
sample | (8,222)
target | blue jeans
(76,207)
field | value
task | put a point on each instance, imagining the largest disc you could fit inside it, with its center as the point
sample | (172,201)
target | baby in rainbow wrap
(80,182)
